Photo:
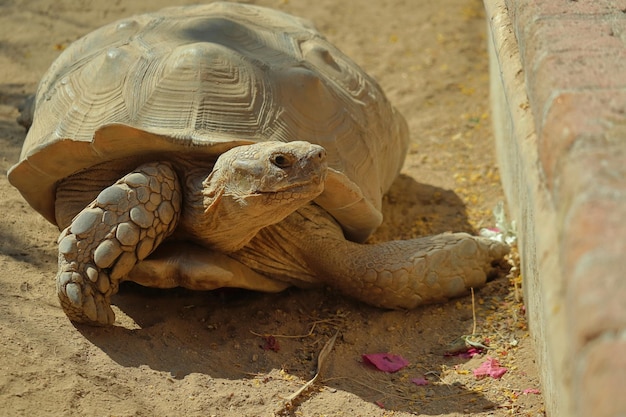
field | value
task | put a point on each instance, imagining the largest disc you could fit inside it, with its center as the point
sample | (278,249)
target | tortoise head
(276,172)
(251,187)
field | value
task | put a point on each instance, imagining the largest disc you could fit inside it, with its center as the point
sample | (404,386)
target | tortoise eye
(281,161)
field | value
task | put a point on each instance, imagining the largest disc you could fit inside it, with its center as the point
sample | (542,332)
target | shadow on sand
(217,333)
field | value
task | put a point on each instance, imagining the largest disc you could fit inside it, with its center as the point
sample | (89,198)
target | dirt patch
(232,352)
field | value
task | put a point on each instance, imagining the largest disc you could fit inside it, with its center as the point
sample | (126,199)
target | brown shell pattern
(207,77)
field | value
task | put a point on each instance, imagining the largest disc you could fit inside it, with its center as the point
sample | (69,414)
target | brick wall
(558,81)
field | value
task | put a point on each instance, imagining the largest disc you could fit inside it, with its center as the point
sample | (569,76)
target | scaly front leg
(395,274)
(122,226)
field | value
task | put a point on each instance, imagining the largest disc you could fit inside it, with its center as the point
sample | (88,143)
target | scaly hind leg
(122,226)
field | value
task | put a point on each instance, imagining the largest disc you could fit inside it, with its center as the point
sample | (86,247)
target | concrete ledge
(558,90)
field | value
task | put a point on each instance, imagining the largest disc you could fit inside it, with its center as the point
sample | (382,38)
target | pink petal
(490,367)
(386,362)
(466,354)
(420,381)
(531,391)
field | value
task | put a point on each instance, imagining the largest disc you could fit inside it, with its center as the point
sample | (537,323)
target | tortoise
(225,145)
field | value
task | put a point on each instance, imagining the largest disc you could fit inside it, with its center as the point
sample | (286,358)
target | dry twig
(321,359)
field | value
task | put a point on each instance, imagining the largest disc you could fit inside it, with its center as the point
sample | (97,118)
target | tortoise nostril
(320,155)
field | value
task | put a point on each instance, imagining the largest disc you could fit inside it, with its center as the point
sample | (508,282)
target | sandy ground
(200,354)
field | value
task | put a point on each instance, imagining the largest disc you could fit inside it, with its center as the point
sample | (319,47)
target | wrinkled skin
(247,221)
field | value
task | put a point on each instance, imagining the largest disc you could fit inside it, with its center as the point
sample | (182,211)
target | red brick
(526,12)
(572,193)
(600,379)
(592,227)
(565,54)
(596,289)
(541,33)
(573,71)
(592,177)
(588,120)
(584,34)
(567,45)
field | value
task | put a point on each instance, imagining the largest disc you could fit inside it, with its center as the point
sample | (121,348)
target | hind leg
(122,226)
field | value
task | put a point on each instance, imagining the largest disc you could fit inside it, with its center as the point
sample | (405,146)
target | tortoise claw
(81,299)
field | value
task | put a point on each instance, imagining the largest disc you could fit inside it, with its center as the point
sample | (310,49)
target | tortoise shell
(200,80)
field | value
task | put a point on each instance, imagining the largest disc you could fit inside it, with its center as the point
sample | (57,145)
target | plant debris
(531,391)
(321,360)
(421,381)
(270,343)
(386,362)
(490,367)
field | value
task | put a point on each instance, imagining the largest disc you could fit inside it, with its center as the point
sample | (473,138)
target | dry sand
(199,354)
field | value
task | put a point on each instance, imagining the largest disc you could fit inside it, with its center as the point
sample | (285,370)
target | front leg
(122,226)
(395,274)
